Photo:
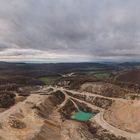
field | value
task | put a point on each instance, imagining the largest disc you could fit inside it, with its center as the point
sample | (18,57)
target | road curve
(99,117)
(116,131)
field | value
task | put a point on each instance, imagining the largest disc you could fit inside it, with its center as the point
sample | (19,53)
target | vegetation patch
(7,99)
(102,75)
(48,80)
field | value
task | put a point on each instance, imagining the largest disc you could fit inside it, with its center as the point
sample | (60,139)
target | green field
(48,80)
(102,75)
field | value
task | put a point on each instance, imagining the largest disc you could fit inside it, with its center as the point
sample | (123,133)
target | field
(48,80)
(102,75)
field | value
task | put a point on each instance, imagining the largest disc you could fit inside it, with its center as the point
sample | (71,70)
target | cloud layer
(69,30)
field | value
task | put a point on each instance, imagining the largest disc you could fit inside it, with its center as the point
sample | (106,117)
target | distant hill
(131,76)
(29,73)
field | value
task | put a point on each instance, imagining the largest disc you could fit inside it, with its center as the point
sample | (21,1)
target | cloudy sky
(69,30)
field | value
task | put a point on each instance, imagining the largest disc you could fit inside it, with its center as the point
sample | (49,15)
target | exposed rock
(102,134)
(41,117)
(17,124)
(106,89)
(68,109)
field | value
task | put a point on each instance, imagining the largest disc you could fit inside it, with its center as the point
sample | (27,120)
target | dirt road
(99,117)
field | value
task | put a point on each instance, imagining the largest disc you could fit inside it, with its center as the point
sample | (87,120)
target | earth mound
(106,89)
(124,115)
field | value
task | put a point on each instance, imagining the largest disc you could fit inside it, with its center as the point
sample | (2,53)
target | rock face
(98,101)
(124,115)
(47,117)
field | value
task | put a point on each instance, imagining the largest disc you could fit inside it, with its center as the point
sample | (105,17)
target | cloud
(16,54)
(69,30)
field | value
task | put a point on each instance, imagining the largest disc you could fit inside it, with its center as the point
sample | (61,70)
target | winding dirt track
(99,117)
(36,123)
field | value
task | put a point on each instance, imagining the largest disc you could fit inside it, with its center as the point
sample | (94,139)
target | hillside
(130,76)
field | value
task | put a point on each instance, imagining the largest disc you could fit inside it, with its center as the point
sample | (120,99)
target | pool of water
(83,116)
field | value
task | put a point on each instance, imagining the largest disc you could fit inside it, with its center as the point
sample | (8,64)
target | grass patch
(102,75)
(48,80)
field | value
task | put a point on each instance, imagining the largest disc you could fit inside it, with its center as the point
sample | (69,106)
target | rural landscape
(70,101)
(69,69)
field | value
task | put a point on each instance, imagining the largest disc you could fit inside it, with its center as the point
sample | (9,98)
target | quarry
(58,113)
(71,107)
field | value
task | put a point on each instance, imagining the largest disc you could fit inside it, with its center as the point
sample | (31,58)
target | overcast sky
(69,30)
